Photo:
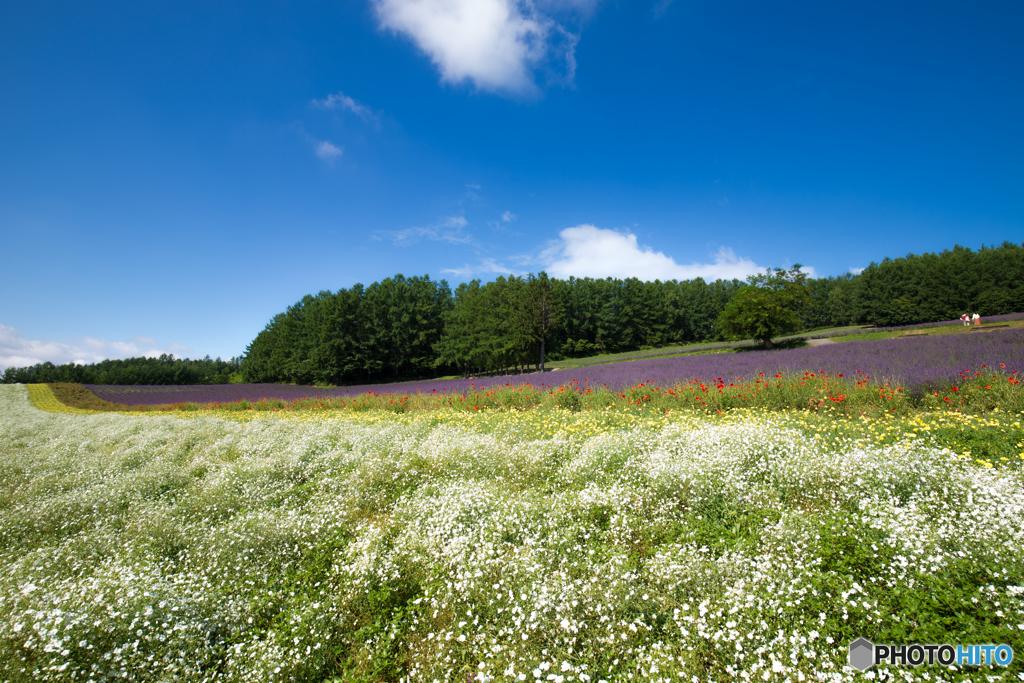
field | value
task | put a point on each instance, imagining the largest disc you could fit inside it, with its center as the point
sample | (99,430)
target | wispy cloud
(17,351)
(497,45)
(589,251)
(341,102)
(449,229)
(503,224)
(487,266)
(327,151)
(660,7)
(856,271)
(323,149)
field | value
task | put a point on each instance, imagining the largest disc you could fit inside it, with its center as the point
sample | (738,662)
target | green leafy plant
(768,307)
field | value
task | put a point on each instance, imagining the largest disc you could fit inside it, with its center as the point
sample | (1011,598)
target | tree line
(932,287)
(163,370)
(416,327)
(403,328)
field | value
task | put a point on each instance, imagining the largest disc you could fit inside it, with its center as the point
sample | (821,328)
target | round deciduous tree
(767,307)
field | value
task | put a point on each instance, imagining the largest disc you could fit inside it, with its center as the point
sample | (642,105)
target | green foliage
(615,316)
(383,332)
(768,307)
(164,370)
(540,313)
(931,287)
(405,328)
(506,323)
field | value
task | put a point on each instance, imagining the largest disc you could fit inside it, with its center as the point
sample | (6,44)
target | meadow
(599,537)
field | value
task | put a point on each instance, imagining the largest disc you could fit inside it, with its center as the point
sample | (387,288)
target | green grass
(627,356)
(702,348)
(956,328)
(839,334)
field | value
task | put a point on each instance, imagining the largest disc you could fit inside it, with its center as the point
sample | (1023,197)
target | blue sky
(174,174)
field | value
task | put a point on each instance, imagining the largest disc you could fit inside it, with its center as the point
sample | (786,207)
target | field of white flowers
(398,547)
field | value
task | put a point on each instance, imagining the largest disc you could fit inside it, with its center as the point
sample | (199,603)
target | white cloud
(856,271)
(589,251)
(16,351)
(508,217)
(495,44)
(345,103)
(448,229)
(327,151)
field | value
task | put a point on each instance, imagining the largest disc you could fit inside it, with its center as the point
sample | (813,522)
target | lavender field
(912,362)
(816,334)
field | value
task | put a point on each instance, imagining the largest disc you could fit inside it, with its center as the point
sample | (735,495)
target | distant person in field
(976,318)
(965,320)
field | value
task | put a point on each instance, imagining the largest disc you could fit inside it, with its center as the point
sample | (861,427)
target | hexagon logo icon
(862,654)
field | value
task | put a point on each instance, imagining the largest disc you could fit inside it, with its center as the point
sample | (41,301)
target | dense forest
(933,287)
(163,370)
(403,328)
(414,327)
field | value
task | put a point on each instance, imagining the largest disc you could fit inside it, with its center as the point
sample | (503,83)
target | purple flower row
(911,362)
